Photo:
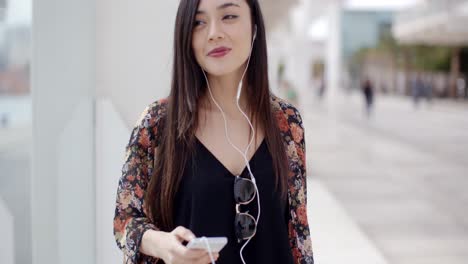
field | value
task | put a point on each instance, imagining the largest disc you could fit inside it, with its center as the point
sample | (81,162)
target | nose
(215,32)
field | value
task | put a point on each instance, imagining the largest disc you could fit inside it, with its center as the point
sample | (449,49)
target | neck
(224,90)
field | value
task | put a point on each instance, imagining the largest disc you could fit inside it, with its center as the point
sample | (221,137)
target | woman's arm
(130,220)
(299,234)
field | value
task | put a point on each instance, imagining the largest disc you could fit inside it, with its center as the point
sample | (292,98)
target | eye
(198,23)
(230,17)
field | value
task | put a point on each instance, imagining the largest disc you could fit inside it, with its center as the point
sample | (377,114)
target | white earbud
(255,32)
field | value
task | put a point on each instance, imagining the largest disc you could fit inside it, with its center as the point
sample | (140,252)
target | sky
(381,4)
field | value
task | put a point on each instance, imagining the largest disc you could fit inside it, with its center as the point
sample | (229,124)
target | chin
(220,69)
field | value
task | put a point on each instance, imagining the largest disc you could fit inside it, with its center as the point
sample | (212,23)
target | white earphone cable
(243,153)
(208,248)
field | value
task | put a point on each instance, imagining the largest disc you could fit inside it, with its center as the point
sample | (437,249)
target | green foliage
(416,57)
(429,58)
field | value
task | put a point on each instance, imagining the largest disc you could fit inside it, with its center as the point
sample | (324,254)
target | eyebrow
(223,6)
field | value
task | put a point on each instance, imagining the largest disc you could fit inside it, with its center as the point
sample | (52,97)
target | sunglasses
(245,225)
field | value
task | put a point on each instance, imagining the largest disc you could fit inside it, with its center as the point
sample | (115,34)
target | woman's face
(222,35)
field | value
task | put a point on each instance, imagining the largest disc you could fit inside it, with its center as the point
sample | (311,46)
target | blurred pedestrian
(4,120)
(368,92)
(321,89)
(417,88)
(429,89)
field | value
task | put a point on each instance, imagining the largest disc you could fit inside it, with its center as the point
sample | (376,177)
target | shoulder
(153,114)
(149,124)
(285,113)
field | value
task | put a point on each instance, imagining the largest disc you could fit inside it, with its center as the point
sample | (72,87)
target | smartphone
(215,243)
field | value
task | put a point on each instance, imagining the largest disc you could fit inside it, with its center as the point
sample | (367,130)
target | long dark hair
(181,120)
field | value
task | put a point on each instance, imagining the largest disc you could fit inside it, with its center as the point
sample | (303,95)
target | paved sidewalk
(336,238)
(401,176)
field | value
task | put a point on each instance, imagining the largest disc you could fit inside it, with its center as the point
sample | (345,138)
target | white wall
(63,86)
(117,52)
(112,136)
(134,53)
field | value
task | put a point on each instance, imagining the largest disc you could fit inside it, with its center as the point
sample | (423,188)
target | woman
(217,153)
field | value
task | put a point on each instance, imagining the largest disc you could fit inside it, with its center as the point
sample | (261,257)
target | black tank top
(205,204)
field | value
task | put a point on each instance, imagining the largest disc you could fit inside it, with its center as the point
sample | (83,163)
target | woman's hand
(169,248)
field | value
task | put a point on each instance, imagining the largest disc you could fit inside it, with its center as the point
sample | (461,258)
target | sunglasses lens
(244,190)
(244,226)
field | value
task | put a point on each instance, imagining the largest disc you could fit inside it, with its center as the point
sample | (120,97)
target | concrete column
(63,87)
(333,65)
(333,70)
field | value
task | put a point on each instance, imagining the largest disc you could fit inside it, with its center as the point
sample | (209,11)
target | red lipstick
(219,52)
